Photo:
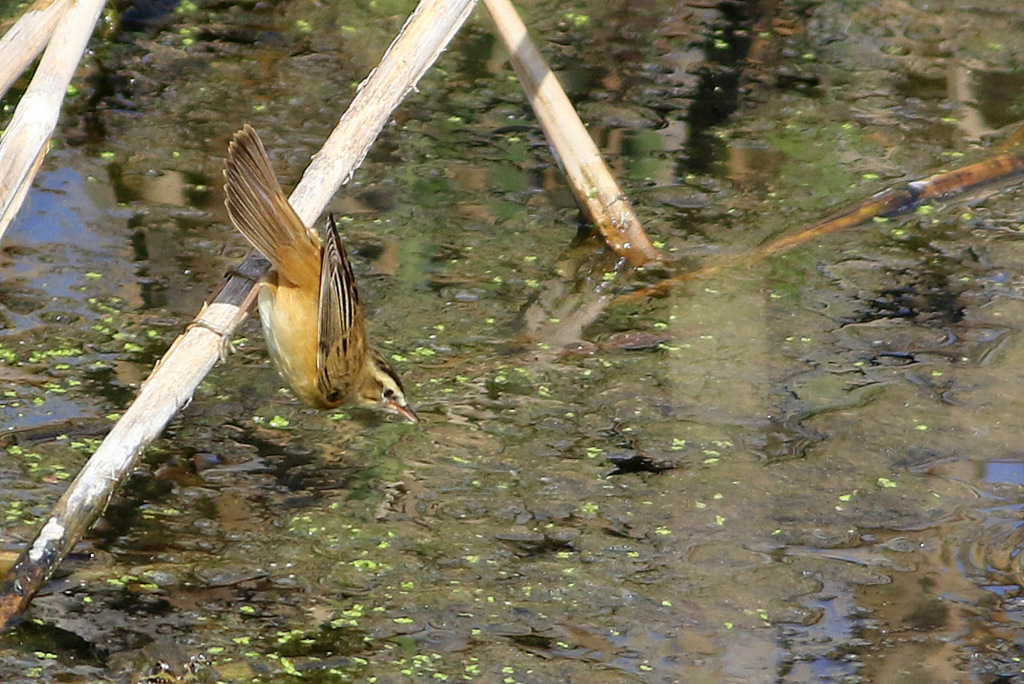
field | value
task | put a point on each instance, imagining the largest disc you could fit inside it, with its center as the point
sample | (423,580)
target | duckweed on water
(480,495)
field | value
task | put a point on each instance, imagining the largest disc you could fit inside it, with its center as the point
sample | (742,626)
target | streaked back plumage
(342,331)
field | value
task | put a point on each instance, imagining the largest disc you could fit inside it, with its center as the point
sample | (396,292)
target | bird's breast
(290,325)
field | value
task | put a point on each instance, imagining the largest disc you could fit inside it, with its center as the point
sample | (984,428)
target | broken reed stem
(26,39)
(24,143)
(176,376)
(592,183)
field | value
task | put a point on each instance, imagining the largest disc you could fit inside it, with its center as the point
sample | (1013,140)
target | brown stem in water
(889,202)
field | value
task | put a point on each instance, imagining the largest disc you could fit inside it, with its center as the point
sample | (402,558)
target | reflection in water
(1004,472)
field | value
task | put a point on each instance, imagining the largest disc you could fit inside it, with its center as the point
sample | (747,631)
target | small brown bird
(308,301)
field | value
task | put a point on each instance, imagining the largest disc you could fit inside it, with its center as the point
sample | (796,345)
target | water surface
(804,470)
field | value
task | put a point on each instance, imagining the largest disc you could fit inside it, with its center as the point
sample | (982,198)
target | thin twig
(24,143)
(25,40)
(889,202)
(193,354)
(592,183)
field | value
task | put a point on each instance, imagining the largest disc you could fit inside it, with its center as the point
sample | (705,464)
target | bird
(308,302)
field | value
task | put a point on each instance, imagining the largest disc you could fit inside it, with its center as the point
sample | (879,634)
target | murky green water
(810,470)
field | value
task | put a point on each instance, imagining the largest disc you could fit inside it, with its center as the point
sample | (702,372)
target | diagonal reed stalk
(25,40)
(195,352)
(24,142)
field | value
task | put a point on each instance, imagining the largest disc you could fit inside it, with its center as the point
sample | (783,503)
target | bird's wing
(342,345)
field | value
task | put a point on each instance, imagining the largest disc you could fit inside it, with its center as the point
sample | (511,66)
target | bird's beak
(402,410)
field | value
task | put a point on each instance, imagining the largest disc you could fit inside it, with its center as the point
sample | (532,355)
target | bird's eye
(388,393)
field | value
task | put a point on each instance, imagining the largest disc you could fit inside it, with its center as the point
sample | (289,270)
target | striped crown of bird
(308,301)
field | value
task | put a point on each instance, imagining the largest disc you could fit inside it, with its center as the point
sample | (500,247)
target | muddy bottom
(804,469)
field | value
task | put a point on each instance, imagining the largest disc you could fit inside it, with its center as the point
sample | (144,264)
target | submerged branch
(193,354)
(889,202)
